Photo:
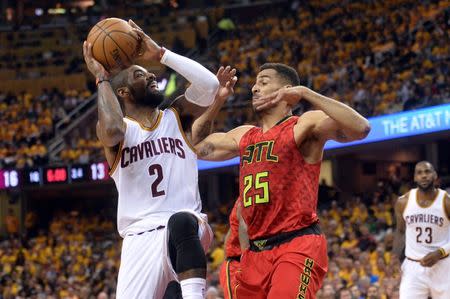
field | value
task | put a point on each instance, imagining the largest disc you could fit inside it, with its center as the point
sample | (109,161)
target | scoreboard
(13,178)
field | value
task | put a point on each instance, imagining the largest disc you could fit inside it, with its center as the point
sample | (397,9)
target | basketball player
(279,173)
(165,236)
(423,225)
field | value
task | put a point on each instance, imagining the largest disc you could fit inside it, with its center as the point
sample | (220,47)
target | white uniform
(427,229)
(156,176)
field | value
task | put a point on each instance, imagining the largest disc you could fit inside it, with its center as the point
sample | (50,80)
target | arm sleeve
(204,84)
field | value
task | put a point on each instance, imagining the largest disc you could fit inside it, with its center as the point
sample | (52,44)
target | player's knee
(182,225)
(173,291)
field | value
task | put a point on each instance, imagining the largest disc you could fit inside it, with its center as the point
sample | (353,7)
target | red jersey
(232,245)
(277,186)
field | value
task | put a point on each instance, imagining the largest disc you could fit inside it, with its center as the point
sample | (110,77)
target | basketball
(114,44)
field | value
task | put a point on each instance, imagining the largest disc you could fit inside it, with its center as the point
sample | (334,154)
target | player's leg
(413,283)
(187,254)
(223,279)
(300,268)
(141,271)
(291,280)
(438,279)
(228,278)
(253,275)
(173,291)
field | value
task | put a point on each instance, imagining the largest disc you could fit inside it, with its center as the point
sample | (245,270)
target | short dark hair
(119,80)
(424,162)
(286,72)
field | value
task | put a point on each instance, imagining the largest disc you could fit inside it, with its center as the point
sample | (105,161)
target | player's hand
(150,50)
(227,79)
(291,95)
(95,67)
(430,259)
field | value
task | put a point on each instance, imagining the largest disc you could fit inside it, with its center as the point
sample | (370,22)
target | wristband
(98,81)
(443,253)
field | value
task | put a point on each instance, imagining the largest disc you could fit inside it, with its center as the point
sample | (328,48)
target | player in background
(165,235)
(423,237)
(279,178)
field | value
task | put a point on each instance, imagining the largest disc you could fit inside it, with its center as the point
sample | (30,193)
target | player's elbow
(362,129)
(212,85)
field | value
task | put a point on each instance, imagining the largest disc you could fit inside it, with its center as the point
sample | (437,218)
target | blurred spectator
(12,223)
(212,293)
(345,294)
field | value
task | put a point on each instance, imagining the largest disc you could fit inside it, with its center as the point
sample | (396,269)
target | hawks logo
(254,152)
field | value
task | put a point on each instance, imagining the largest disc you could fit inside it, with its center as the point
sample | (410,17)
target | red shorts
(294,269)
(228,272)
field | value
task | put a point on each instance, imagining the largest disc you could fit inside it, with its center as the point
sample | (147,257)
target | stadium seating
(389,58)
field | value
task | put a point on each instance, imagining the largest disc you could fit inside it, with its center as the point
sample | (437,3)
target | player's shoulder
(238,132)
(402,200)
(404,197)
(313,115)
(446,195)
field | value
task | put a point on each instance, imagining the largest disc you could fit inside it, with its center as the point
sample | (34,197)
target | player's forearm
(110,115)
(353,123)
(399,243)
(204,83)
(203,126)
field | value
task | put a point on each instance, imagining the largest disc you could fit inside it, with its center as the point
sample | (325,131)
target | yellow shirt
(218,256)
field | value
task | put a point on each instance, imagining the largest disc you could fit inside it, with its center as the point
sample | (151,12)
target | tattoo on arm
(205,149)
(340,135)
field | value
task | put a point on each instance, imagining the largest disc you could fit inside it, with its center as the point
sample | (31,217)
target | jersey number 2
(156,169)
(259,185)
(429,233)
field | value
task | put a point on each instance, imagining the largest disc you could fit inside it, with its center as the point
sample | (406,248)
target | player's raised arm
(204,84)
(338,121)
(399,235)
(203,126)
(110,125)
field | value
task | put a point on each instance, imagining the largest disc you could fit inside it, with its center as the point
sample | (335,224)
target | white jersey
(427,228)
(156,174)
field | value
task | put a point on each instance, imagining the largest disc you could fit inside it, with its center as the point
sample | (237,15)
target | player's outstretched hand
(95,67)
(291,95)
(150,50)
(227,79)
(430,259)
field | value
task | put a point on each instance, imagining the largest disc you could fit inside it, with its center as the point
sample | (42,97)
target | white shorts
(420,282)
(145,267)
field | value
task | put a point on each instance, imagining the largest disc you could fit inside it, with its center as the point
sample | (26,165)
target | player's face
(267,82)
(424,176)
(144,87)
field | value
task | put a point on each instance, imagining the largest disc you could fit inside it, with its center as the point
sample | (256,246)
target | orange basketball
(114,44)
